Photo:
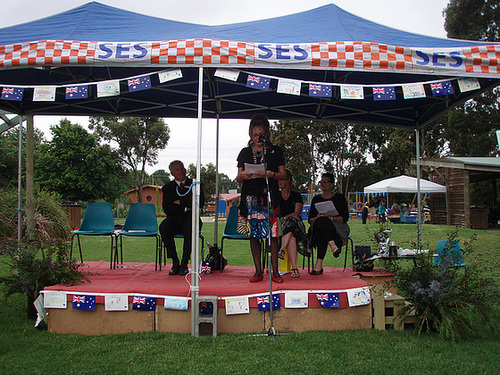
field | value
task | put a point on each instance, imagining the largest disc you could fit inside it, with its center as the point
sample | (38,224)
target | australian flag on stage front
(258,82)
(144,303)
(263,302)
(384,93)
(83,302)
(12,93)
(139,83)
(328,299)
(323,91)
(77,92)
(442,88)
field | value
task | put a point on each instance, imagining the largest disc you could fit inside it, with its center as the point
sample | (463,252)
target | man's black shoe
(183,270)
(174,270)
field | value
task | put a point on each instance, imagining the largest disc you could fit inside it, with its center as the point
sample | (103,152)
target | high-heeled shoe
(278,279)
(256,279)
(314,272)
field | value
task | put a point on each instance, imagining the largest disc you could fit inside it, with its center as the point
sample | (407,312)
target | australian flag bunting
(263,302)
(83,302)
(258,82)
(205,267)
(384,93)
(144,303)
(322,91)
(77,92)
(442,88)
(12,93)
(140,83)
(328,299)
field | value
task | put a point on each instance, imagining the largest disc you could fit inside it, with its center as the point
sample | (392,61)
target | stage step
(387,311)
(206,316)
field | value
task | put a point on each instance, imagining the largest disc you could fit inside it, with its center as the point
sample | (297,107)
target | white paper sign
(351,92)
(296,300)
(468,84)
(44,94)
(237,305)
(169,75)
(116,302)
(108,88)
(413,91)
(358,296)
(176,303)
(54,300)
(229,74)
(289,86)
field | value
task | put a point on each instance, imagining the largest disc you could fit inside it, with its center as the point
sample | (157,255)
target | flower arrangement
(453,301)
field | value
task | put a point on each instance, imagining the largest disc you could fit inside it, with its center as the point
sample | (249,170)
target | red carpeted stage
(141,279)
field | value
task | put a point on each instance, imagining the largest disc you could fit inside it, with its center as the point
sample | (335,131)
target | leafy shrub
(454,301)
(39,265)
(51,222)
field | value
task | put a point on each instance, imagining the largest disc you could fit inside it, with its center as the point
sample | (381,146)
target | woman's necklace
(258,156)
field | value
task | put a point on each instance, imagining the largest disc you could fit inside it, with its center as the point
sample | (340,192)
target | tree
(74,165)
(9,154)
(473,19)
(207,177)
(138,139)
(160,177)
(470,127)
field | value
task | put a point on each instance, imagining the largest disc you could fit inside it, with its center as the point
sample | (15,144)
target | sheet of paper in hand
(327,207)
(255,169)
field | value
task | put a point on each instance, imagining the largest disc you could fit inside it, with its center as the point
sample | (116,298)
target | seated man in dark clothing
(177,205)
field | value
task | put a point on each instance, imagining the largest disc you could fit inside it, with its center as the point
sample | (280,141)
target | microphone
(262,139)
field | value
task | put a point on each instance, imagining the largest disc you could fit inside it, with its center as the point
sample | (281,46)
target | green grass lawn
(27,350)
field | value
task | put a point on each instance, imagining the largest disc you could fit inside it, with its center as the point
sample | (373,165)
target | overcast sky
(417,16)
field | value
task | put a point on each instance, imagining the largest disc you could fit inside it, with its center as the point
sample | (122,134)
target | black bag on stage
(362,261)
(215,259)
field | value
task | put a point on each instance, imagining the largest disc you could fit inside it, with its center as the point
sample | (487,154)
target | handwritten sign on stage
(237,305)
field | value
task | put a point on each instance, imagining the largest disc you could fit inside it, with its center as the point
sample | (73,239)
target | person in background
(294,232)
(328,230)
(364,212)
(381,212)
(254,197)
(395,209)
(177,205)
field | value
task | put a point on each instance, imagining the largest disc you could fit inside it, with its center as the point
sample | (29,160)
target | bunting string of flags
(378,92)
(234,304)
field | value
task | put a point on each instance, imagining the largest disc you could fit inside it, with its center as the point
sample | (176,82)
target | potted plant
(452,301)
(38,265)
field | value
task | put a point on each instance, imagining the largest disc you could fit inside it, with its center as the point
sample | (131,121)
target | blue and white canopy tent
(323,64)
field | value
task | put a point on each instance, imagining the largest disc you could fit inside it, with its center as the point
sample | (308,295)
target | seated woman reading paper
(328,217)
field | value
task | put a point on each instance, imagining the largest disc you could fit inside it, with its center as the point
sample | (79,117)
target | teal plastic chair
(230,230)
(97,221)
(140,222)
(450,255)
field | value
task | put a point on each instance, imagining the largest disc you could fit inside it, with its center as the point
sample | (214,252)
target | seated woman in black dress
(294,232)
(328,229)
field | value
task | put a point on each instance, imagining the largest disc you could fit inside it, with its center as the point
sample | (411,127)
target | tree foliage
(207,178)
(74,165)
(9,154)
(138,141)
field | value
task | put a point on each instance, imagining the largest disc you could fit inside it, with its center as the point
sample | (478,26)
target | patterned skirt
(258,219)
(297,228)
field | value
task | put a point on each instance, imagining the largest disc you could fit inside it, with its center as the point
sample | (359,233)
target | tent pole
(195,222)
(216,226)
(30,197)
(20,187)
(419,208)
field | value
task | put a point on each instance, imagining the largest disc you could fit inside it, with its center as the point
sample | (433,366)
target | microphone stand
(271,331)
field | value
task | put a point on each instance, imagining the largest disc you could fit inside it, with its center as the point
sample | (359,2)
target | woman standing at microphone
(253,203)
